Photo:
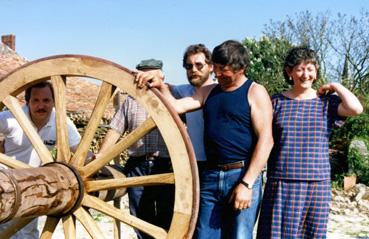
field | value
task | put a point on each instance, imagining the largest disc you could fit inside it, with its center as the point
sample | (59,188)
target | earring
(290,78)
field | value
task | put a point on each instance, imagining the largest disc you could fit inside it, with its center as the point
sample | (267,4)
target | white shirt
(19,147)
(194,121)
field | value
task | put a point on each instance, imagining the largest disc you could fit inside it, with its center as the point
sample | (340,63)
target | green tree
(342,44)
(266,62)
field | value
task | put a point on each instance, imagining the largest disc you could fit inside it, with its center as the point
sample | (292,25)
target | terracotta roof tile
(9,60)
(81,93)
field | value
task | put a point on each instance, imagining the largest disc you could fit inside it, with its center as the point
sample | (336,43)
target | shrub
(357,126)
(358,163)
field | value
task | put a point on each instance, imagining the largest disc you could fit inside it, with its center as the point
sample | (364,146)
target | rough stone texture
(9,60)
(349,213)
(360,146)
(81,97)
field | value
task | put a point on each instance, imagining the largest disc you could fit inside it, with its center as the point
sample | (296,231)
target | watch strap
(248,186)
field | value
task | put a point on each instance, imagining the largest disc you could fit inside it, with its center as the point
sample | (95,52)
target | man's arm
(110,139)
(261,117)
(183,105)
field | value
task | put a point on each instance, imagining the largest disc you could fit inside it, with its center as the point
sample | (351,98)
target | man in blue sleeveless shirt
(238,140)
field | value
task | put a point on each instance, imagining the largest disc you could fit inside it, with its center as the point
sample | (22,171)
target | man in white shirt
(40,110)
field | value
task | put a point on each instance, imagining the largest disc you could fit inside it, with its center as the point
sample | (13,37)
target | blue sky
(127,31)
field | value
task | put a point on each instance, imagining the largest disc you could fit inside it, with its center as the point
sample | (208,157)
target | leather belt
(149,158)
(228,166)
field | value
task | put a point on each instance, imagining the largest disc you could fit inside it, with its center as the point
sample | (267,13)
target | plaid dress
(297,194)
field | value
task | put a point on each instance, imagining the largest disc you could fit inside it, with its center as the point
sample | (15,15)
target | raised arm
(183,105)
(350,104)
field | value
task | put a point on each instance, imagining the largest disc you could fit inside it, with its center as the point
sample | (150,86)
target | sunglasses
(198,66)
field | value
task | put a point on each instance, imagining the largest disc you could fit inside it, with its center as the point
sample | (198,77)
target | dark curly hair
(296,56)
(194,49)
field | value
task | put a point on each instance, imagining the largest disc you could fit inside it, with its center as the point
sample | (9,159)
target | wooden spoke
(13,105)
(123,144)
(97,204)
(62,142)
(184,177)
(116,222)
(14,226)
(102,101)
(69,227)
(151,180)
(88,222)
(49,228)
(12,163)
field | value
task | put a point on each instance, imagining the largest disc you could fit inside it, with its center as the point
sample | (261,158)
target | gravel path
(339,227)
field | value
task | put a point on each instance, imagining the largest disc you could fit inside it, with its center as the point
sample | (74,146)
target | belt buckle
(149,157)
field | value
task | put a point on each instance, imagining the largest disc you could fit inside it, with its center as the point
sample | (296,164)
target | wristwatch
(248,186)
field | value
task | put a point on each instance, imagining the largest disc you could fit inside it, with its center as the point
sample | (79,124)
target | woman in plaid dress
(297,193)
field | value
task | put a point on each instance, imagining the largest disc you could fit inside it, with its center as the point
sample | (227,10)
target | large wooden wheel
(111,75)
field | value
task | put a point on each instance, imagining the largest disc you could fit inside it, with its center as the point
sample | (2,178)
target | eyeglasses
(198,66)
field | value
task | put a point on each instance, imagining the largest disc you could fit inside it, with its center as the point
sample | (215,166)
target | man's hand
(241,197)
(152,78)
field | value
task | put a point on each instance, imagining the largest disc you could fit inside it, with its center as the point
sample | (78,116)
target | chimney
(9,40)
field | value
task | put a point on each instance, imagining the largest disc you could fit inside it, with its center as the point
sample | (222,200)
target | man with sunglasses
(198,66)
(238,140)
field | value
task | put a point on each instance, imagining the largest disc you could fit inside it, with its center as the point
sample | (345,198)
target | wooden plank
(150,180)
(62,142)
(97,204)
(123,144)
(13,105)
(102,101)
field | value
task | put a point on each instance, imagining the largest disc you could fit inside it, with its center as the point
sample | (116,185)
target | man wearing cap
(147,156)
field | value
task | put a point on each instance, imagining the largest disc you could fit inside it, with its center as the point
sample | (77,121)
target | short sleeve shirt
(301,130)
(17,145)
(130,116)
(194,121)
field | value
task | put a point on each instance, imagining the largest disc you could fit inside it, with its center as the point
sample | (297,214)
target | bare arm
(183,105)
(110,139)
(350,104)
(187,104)
(261,116)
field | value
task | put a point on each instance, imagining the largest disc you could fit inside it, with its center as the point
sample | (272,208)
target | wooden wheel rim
(164,117)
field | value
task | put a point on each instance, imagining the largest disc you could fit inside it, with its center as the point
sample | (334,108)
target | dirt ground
(339,227)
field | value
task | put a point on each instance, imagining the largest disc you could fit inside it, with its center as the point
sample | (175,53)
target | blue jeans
(217,218)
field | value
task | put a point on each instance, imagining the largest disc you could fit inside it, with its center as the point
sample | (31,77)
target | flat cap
(150,64)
